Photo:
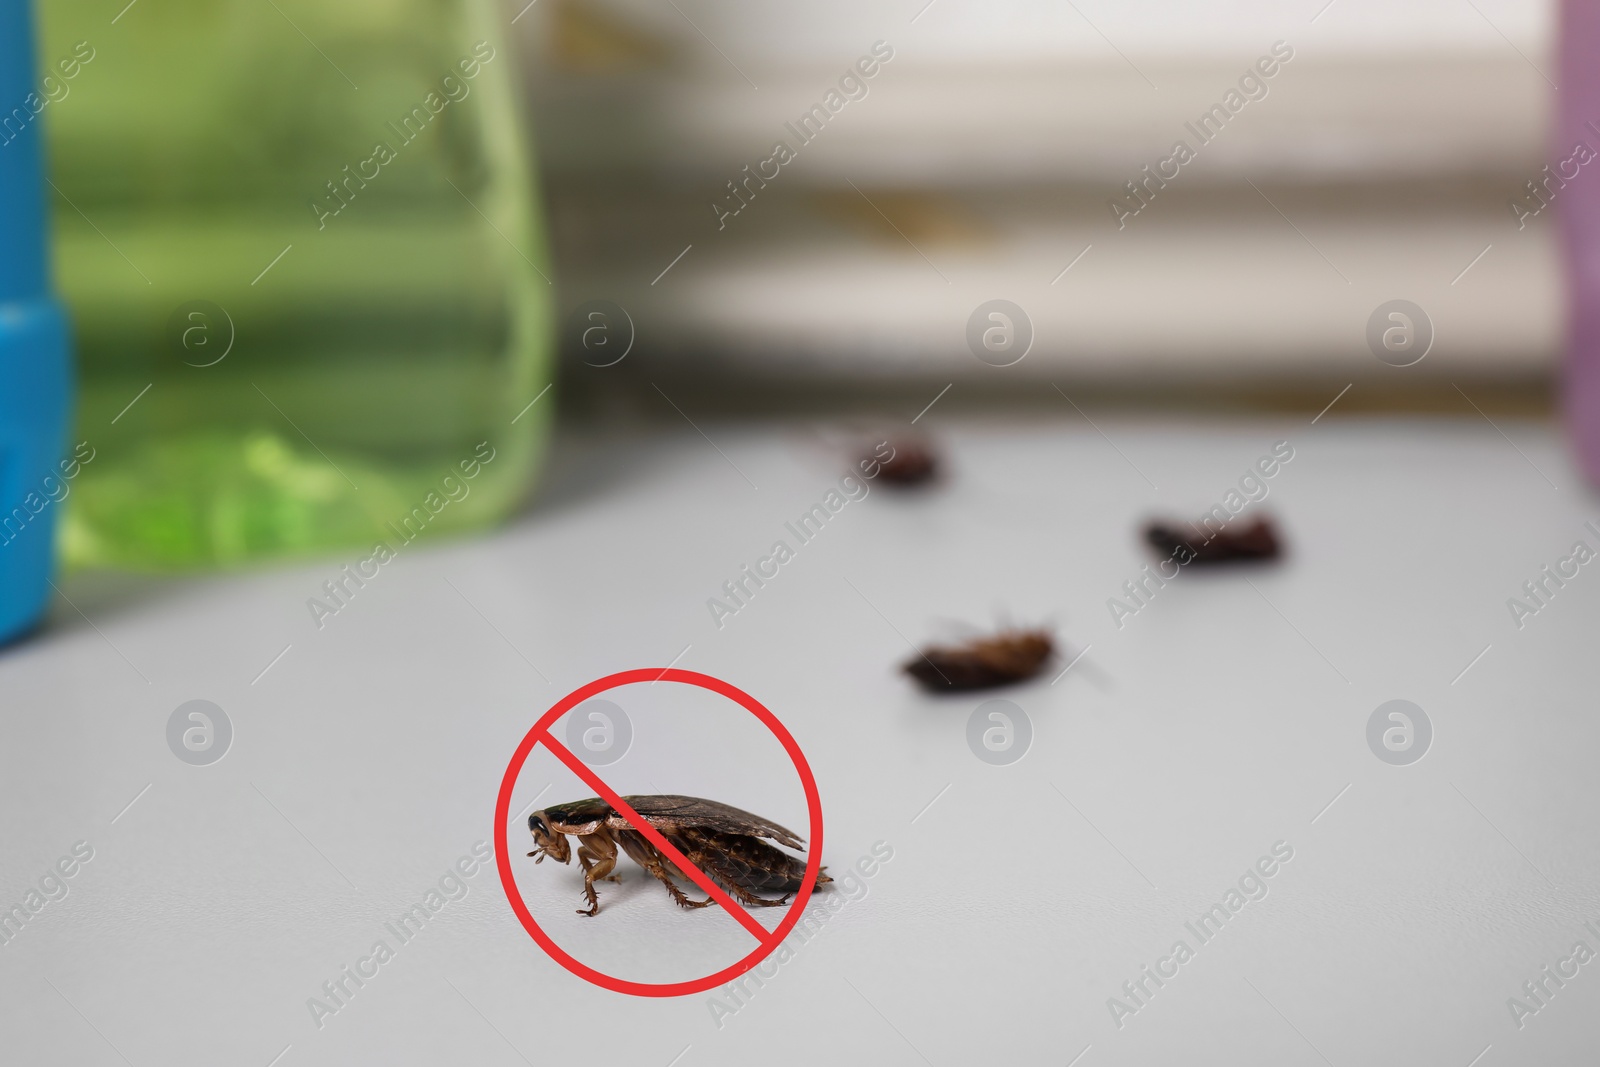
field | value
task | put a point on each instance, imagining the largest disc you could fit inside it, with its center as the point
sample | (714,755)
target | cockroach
(912,461)
(722,841)
(1255,542)
(1008,657)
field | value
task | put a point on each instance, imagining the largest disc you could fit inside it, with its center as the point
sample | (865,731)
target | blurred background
(983,161)
(315,256)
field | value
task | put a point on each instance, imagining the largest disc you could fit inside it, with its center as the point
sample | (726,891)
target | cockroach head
(550,842)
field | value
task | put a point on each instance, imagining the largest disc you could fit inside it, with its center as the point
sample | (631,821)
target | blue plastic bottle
(35,378)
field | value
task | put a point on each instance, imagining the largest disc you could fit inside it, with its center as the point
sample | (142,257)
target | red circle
(502,809)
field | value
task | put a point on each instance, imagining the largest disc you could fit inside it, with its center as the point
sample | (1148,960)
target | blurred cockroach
(1009,656)
(1257,541)
(722,841)
(912,461)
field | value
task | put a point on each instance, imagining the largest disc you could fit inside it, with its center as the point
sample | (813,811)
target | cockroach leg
(588,891)
(598,857)
(753,901)
(749,899)
(654,867)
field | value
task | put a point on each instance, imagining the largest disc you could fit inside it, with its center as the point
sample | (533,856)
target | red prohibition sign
(540,734)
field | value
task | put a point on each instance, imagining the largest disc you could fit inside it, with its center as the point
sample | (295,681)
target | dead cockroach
(1257,541)
(722,841)
(911,461)
(1009,656)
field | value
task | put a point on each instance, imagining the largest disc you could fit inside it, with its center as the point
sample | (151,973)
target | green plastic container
(301,244)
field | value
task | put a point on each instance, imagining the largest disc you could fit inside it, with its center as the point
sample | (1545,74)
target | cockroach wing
(693,811)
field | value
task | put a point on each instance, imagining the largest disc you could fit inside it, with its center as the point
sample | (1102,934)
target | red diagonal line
(654,836)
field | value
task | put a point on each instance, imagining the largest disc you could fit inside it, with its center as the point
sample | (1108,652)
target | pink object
(1578,120)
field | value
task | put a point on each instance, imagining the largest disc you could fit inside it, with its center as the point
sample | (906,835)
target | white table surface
(1221,719)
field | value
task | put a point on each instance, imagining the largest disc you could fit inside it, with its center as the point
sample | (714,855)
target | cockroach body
(912,461)
(722,841)
(982,663)
(1255,542)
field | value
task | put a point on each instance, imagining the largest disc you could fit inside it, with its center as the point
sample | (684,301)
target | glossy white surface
(1222,718)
